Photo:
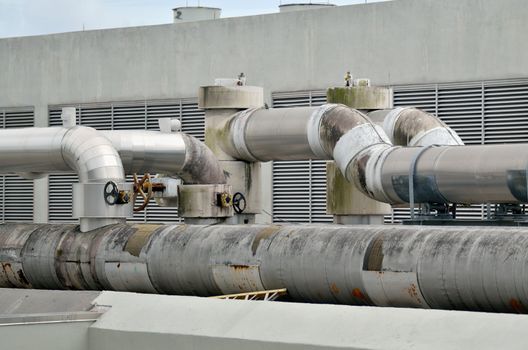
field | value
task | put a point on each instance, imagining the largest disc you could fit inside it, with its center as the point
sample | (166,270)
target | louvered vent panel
(460,107)
(506,113)
(291,191)
(130,116)
(318,194)
(17,192)
(19,118)
(193,119)
(422,97)
(60,197)
(96,116)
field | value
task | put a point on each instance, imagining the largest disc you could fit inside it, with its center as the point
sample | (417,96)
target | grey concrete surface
(34,301)
(137,321)
(396,42)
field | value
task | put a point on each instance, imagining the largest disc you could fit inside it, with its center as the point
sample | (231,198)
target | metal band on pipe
(354,141)
(314,138)
(412,171)
(390,121)
(239,134)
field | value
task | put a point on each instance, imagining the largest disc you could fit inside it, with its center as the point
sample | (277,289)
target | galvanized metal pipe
(57,149)
(408,126)
(469,174)
(464,268)
(172,154)
(296,133)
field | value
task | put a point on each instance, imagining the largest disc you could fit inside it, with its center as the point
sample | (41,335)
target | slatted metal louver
(17,192)
(299,187)
(139,115)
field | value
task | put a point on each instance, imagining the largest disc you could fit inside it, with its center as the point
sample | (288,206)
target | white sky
(34,17)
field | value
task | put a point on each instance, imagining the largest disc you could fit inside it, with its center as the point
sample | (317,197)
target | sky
(35,17)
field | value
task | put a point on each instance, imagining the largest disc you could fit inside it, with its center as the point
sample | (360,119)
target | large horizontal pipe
(172,154)
(366,156)
(296,133)
(468,174)
(465,268)
(56,149)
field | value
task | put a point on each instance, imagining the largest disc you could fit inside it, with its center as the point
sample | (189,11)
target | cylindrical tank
(195,13)
(464,268)
(303,6)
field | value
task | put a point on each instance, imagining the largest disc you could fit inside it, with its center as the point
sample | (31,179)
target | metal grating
(140,115)
(17,192)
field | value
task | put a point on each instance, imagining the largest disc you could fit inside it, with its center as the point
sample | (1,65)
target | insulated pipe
(57,149)
(36,151)
(463,268)
(444,174)
(365,156)
(328,132)
(408,126)
(173,154)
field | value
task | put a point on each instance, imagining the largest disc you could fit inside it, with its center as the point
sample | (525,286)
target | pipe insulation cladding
(408,126)
(463,268)
(57,149)
(366,157)
(172,154)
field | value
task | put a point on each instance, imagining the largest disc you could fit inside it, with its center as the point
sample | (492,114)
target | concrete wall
(398,42)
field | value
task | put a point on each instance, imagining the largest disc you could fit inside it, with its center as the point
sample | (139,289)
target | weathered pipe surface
(464,268)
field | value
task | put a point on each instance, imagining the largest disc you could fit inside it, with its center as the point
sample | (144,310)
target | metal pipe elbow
(409,126)
(201,165)
(91,155)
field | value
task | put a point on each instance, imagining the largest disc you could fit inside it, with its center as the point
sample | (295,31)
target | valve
(142,188)
(113,195)
(239,203)
(224,200)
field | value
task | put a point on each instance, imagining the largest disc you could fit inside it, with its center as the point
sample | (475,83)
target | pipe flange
(238,130)
(390,121)
(314,124)
(356,140)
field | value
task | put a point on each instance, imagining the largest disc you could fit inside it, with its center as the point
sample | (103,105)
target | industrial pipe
(463,268)
(444,174)
(296,133)
(172,154)
(408,126)
(57,149)
(366,157)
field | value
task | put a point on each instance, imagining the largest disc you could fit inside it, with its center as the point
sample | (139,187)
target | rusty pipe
(462,268)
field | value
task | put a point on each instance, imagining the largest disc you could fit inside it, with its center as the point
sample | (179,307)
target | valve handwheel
(111,193)
(239,203)
(142,188)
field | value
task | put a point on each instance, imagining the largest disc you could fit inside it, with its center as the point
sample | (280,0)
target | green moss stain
(360,97)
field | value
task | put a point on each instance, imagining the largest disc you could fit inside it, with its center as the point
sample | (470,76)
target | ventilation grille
(139,115)
(17,192)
